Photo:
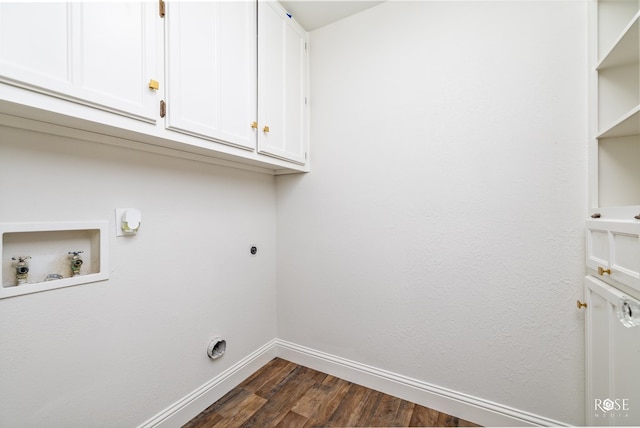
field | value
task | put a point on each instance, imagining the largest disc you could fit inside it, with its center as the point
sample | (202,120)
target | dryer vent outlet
(216,348)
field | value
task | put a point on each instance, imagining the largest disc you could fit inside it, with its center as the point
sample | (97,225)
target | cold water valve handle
(76,262)
(22,268)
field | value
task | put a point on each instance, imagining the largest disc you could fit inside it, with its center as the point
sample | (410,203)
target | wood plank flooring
(286,395)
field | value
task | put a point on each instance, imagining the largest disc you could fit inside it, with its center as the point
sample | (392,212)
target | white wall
(116,353)
(439,235)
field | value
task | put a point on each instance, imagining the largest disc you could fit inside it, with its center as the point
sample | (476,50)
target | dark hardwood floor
(284,394)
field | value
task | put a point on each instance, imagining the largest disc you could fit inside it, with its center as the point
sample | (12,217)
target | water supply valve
(76,262)
(22,268)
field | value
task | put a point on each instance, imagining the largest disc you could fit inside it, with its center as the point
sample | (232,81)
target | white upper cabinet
(221,81)
(282,85)
(211,57)
(615,147)
(97,54)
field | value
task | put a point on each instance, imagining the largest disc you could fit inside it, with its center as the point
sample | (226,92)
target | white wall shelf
(625,49)
(628,124)
(48,245)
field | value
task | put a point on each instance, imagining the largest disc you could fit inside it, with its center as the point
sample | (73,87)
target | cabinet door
(282,59)
(612,355)
(98,54)
(211,70)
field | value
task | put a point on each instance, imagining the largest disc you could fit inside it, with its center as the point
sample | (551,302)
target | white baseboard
(185,409)
(473,409)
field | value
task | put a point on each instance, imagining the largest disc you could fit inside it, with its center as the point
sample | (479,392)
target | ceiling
(313,14)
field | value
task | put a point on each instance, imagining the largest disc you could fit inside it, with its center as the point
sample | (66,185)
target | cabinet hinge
(163,108)
(161,8)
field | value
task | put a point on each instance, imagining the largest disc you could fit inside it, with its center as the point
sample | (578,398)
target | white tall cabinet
(613,229)
(224,80)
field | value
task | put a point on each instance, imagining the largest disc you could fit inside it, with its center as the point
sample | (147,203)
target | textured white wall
(116,353)
(440,232)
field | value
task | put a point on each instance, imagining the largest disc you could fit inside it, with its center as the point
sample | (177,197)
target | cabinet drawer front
(613,251)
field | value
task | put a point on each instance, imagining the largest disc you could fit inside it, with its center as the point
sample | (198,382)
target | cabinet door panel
(35,44)
(272,78)
(282,79)
(625,258)
(116,55)
(238,71)
(294,105)
(598,250)
(211,66)
(597,246)
(597,356)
